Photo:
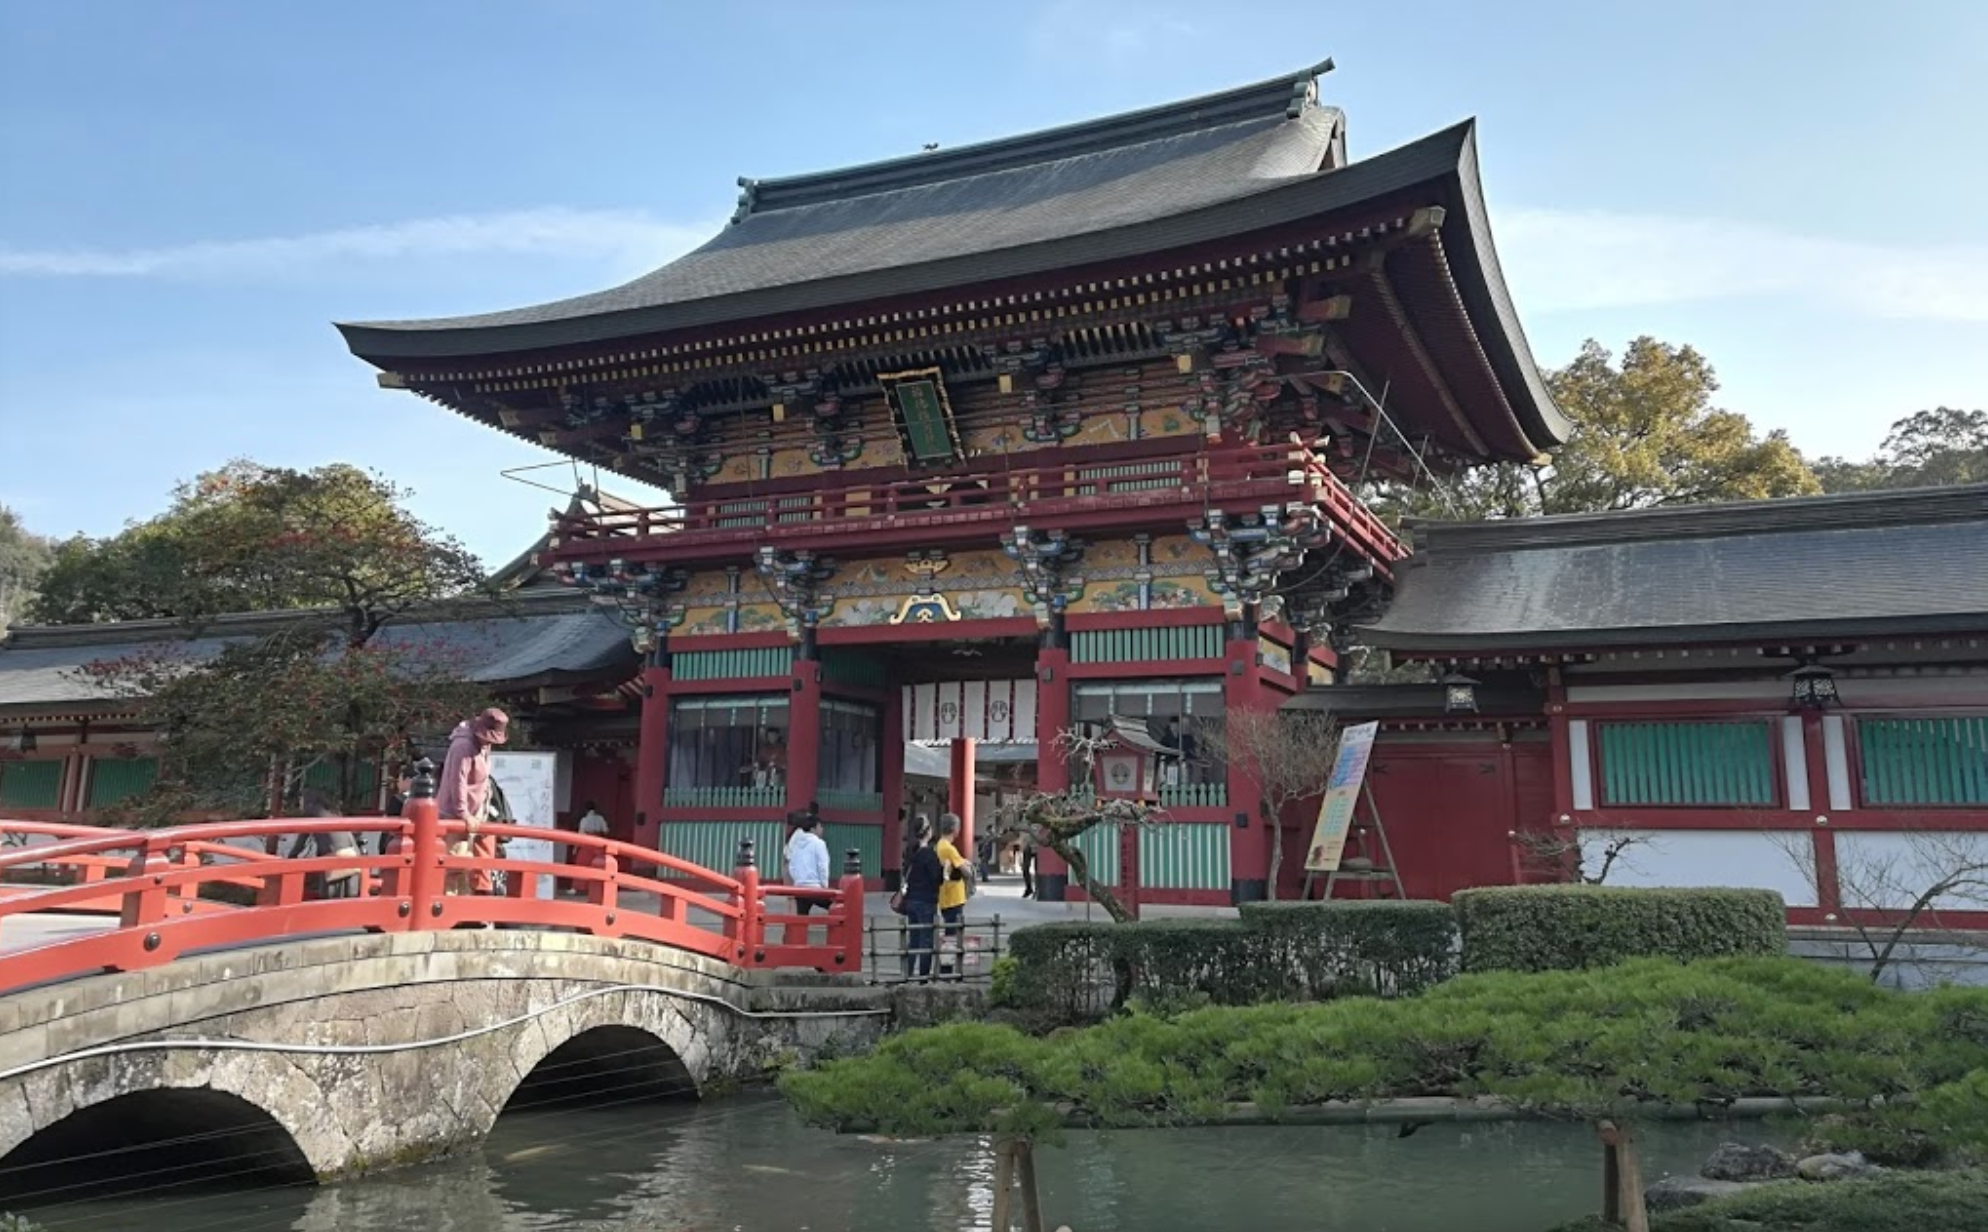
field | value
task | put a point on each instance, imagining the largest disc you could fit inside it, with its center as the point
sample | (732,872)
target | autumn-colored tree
(1928,449)
(336,546)
(1646,434)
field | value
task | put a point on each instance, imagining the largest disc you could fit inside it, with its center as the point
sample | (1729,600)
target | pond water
(748,1165)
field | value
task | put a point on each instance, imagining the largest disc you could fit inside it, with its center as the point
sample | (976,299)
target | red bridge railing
(183,889)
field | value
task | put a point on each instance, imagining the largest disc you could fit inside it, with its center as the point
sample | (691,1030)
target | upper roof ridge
(1286,96)
(1836,511)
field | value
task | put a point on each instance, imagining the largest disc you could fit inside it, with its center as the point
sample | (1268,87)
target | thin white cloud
(1568,260)
(616,235)
(1073,30)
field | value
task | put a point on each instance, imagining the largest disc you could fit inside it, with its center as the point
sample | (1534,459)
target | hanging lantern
(1459,694)
(1812,686)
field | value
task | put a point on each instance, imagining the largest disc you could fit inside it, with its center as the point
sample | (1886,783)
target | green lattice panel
(1930,761)
(1187,856)
(1100,847)
(715,844)
(725,797)
(851,801)
(1146,645)
(31,784)
(863,671)
(1195,795)
(119,778)
(750,663)
(841,836)
(1684,764)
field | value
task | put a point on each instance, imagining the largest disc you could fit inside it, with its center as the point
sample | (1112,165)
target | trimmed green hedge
(1072,972)
(1573,927)
(1379,946)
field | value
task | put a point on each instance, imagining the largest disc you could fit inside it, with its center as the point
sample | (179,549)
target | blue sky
(190,193)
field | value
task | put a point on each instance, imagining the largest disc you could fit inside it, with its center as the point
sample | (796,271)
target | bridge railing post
(147,905)
(424,873)
(845,935)
(749,942)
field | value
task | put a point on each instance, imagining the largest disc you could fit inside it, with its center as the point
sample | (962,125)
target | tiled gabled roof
(1832,566)
(522,642)
(857,232)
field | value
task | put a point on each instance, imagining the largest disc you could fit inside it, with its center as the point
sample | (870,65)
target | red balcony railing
(1061,494)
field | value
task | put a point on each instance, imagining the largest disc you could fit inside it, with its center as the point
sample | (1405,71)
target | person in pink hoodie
(464,792)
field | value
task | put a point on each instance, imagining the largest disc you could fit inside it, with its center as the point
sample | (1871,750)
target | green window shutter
(841,836)
(31,784)
(116,779)
(715,844)
(1711,764)
(1924,761)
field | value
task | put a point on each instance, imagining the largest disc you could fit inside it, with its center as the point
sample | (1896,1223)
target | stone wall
(374,1051)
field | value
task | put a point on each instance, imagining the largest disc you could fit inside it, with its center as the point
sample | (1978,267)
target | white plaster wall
(1692,859)
(1893,868)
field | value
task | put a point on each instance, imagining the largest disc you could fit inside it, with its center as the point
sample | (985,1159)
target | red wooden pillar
(803,736)
(1828,886)
(652,753)
(959,792)
(1052,772)
(893,736)
(1250,839)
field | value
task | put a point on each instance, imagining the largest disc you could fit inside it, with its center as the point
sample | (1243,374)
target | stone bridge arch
(374,1051)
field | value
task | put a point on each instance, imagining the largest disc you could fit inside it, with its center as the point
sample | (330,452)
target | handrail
(152,882)
(1220,472)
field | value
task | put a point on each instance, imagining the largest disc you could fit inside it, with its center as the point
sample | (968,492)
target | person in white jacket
(807,860)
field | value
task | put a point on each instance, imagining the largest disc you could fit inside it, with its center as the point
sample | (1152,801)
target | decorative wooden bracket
(797,582)
(1047,560)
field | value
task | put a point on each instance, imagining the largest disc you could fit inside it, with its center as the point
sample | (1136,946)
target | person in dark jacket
(922,875)
(324,844)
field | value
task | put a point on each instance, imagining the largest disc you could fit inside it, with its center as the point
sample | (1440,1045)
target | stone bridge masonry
(366,1052)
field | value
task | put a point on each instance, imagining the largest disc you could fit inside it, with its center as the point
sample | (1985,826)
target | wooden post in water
(1004,1184)
(1622,1179)
(1014,1166)
(1031,1196)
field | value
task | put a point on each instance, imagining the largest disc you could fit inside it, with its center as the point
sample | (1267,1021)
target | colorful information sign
(1335,812)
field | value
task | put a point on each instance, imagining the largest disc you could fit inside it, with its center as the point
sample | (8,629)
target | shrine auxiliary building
(983,444)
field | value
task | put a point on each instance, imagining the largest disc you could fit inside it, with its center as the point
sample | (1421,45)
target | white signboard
(1335,812)
(530,783)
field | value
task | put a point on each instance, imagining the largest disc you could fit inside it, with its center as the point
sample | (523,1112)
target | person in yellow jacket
(955,880)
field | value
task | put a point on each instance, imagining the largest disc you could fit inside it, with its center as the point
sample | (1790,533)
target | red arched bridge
(162,894)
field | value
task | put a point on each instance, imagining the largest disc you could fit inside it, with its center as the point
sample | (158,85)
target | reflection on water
(747,1165)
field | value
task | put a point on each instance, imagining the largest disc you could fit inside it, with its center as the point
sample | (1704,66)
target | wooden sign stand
(1387,870)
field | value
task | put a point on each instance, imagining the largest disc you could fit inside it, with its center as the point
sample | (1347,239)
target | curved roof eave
(1510,354)
(1442,164)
